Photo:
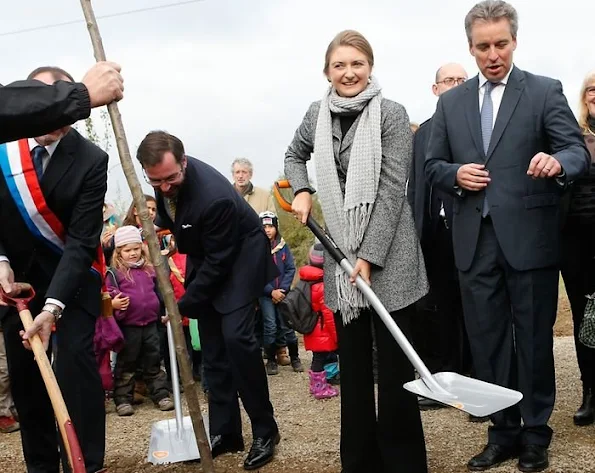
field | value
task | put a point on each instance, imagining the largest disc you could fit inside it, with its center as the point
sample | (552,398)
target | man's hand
(120,302)
(363,268)
(104,83)
(544,166)
(472,177)
(6,279)
(277,295)
(42,326)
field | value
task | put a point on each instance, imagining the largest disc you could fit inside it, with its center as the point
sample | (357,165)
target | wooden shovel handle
(71,443)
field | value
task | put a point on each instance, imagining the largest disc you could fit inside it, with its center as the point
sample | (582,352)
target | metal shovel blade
(173,440)
(467,394)
(170,444)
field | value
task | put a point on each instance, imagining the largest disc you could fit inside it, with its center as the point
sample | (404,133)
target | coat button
(478,209)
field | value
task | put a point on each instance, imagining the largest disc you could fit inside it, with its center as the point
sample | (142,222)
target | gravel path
(310,433)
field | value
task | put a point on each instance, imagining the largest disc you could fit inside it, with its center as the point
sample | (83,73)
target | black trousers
(233,364)
(510,317)
(140,351)
(439,332)
(393,441)
(78,377)
(578,271)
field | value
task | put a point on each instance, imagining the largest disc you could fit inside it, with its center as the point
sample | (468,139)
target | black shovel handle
(319,232)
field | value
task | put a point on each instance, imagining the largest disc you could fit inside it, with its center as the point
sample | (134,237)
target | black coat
(74,186)
(31,108)
(229,254)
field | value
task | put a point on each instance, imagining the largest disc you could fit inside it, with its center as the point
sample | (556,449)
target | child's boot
(294,356)
(271,366)
(319,388)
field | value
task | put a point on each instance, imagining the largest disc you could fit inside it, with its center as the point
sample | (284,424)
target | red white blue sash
(23,185)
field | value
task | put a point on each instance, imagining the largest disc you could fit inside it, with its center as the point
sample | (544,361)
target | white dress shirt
(45,161)
(497,93)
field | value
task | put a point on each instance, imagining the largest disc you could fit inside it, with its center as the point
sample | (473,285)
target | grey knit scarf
(347,216)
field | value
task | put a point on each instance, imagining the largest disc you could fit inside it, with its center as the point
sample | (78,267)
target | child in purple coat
(132,286)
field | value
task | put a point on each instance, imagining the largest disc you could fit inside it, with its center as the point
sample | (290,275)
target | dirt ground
(310,429)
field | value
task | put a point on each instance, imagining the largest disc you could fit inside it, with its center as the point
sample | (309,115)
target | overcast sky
(233,78)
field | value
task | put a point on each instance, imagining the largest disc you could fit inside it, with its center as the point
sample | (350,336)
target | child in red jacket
(322,341)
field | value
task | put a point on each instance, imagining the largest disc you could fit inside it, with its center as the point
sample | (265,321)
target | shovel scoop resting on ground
(24,295)
(173,440)
(475,397)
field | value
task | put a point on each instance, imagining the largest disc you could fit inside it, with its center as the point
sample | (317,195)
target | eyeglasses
(452,81)
(590,91)
(173,179)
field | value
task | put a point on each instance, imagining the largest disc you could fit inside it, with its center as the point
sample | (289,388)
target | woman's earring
(369,79)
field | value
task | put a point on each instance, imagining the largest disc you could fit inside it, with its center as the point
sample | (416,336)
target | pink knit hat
(127,234)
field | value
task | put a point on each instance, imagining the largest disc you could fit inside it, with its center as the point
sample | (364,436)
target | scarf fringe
(349,299)
(357,222)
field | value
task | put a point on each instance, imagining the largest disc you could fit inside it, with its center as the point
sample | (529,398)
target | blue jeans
(275,331)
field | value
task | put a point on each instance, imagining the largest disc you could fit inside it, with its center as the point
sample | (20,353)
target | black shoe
(492,455)
(478,419)
(586,413)
(226,443)
(426,404)
(271,367)
(533,458)
(262,452)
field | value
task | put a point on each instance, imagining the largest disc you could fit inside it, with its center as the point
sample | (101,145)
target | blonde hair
(349,38)
(118,263)
(583,113)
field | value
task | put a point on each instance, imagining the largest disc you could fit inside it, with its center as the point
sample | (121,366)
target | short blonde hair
(349,38)
(583,114)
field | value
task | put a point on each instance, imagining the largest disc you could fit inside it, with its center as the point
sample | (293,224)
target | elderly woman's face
(590,97)
(348,71)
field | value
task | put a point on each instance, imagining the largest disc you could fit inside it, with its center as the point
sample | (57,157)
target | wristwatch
(54,310)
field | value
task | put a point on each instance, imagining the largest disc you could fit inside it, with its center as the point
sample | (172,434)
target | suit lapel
(471,100)
(510,99)
(59,164)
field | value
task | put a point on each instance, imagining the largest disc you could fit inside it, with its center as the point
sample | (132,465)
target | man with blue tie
(506,145)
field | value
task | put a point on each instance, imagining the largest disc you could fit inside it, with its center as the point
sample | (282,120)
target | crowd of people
(462,227)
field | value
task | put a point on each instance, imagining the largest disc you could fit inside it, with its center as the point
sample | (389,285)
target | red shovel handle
(23,294)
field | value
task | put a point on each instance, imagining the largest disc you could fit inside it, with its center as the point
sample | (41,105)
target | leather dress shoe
(533,458)
(226,443)
(586,413)
(491,456)
(262,452)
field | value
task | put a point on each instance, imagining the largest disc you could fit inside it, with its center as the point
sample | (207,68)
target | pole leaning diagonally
(190,392)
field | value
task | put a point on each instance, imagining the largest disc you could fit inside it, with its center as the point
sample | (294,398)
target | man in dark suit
(31,108)
(230,259)
(72,174)
(439,329)
(506,144)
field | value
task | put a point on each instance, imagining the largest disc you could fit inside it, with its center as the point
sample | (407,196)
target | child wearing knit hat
(132,285)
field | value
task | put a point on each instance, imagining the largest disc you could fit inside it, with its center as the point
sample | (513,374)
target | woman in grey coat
(362,145)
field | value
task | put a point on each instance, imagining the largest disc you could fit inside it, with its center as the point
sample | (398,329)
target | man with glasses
(439,329)
(229,263)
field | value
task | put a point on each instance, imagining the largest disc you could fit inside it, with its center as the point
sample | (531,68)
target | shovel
(470,395)
(74,453)
(173,440)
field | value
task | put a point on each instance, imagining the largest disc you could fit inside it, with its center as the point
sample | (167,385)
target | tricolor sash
(23,185)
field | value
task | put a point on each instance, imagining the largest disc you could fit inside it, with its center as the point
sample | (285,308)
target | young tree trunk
(190,391)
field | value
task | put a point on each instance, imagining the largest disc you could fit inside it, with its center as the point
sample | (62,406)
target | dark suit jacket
(534,116)
(31,108)
(228,251)
(74,186)
(419,191)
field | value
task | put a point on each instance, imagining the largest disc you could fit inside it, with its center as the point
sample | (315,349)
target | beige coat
(260,200)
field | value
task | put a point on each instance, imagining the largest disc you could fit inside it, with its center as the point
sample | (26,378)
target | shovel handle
(336,253)
(71,443)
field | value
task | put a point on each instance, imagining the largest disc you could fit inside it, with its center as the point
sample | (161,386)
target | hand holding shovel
(20,297)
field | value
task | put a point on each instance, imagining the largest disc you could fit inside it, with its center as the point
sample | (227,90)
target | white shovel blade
(476,397)
(168,445)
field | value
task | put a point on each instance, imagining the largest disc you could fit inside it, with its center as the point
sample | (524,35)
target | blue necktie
(38,153)
(487,123)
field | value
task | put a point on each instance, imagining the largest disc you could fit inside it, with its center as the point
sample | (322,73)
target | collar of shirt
(504,81)
(49,148)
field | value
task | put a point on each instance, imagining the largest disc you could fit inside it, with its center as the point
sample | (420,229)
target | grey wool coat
(390,242)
